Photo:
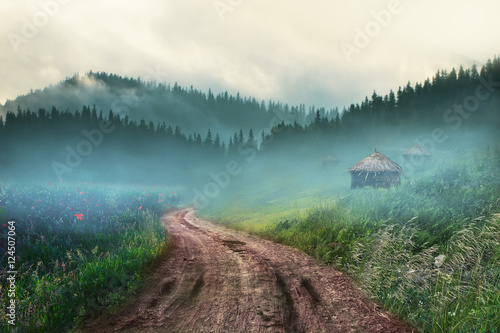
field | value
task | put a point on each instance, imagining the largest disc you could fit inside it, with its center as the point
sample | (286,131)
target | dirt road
(219,280)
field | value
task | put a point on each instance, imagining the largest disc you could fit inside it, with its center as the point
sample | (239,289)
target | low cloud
(280,50)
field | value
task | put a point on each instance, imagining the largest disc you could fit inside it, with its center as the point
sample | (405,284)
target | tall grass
(460,296)
(388,240)
(80,249)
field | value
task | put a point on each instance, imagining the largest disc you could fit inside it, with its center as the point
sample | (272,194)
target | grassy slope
(388,239)
(253,206)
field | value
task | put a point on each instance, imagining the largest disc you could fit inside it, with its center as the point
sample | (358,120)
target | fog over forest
(106,128)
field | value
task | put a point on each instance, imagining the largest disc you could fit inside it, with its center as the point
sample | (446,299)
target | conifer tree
(208,140)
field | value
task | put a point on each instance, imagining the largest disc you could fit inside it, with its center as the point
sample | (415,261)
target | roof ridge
(376,162)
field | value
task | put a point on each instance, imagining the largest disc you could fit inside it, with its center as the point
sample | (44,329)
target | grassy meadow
(388,239)
(427,251)
(80,248)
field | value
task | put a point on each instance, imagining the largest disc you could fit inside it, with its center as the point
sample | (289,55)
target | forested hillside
(191,109)
(454,109)
(439,113)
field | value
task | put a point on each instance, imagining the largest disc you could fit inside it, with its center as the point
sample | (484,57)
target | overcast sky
(326,53)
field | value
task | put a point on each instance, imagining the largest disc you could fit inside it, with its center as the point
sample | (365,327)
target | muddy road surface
(220,280)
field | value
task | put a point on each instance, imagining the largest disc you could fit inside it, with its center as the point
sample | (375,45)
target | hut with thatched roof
(417,155)
(376,170)
(330,160)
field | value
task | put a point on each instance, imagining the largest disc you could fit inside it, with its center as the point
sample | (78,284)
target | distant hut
(330,160)
(417,155)
(376,170)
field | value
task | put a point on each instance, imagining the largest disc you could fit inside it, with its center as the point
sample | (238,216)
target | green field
(279,192)
(388,239)
(79,249)
(82,248)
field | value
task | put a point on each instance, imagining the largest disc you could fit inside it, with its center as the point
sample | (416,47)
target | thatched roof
(417,150)
(376,162)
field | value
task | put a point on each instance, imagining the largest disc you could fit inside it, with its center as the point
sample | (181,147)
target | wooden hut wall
(375,179)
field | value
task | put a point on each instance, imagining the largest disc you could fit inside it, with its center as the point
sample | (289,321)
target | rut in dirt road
(219,280)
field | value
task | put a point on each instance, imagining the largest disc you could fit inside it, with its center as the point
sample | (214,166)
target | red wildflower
(140,207)
(4,225)
(79,216)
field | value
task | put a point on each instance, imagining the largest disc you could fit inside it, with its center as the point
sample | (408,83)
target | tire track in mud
(219,280)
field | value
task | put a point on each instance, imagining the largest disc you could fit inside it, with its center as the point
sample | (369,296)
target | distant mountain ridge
(191,109)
